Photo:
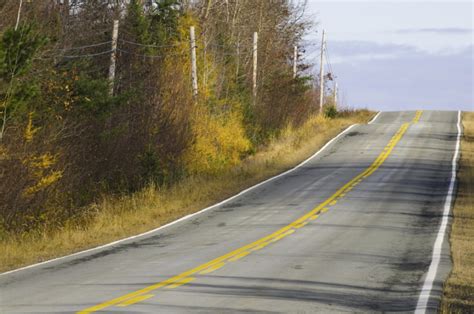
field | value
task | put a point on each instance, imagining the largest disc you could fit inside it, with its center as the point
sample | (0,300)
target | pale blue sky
(393,55)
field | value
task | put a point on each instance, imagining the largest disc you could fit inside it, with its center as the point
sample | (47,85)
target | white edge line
(374,118)
(425,293)
(187,216)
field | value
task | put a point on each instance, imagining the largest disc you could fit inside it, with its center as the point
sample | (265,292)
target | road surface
(351,230)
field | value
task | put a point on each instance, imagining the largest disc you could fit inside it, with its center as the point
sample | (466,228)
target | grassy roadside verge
(458,294)
(118,217)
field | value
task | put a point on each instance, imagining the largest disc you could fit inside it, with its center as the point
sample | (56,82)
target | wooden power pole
(295,60)
(254,74)
(113,57)
(194,76)
(321,76)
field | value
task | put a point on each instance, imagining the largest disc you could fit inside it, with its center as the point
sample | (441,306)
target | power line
(150,56)
(77,48)
(150,46)
(85,55)
(86,46)
(328,61)
(140,55)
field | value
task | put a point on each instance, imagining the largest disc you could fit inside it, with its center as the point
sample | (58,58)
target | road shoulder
(458,294)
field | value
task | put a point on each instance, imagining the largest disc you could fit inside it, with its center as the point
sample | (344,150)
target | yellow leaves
(185,22)
(44,161)
(30,130)
(42,173)
(44,182)
(220,142)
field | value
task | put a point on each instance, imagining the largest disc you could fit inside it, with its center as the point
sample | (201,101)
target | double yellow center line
(417,117)
(217,263)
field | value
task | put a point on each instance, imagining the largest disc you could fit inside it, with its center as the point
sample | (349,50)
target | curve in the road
(217,263)
(371,252)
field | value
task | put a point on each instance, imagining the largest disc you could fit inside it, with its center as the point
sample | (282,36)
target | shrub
(330,111)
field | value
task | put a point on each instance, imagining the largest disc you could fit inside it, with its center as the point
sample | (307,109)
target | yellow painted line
(323,210)
(417,117)
(184,277)
(212,268)
(239,256)
(314,217)
(260,246)
(299,225)
(281,236)
(333,203)
(180,283)
(120,299)
(135,300)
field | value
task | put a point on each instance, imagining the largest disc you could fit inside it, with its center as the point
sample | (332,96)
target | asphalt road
(352,230)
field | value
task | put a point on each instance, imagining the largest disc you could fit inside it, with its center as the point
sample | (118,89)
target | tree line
(65,139)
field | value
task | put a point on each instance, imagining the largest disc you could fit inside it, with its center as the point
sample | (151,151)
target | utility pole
(18,15)
(335,94)
(193,61)
(321,76)
(295,60)
(113,57)
(254,76)
(237,67)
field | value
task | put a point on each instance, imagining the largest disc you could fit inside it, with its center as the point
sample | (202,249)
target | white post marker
(254,73)
(424,297)
(335,94)
(113,57)
(321,76)
(193,61)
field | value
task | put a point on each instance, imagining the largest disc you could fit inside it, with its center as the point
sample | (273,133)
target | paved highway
(350,230)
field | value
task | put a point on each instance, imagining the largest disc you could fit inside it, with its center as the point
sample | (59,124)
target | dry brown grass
(459,288)
(119,217)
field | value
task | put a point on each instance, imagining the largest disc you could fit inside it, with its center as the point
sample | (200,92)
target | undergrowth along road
(117,217)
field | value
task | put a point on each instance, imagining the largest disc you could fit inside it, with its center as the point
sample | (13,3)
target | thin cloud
(367,49)
(354,51)
(409,81)
(444,30)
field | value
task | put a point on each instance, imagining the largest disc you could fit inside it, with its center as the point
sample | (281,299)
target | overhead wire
(86,55)
(150,46)
(78,47)
(328,62)
(149,55)
(87,46)
(242,45)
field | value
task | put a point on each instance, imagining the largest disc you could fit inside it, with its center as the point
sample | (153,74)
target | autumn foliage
(65,141)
